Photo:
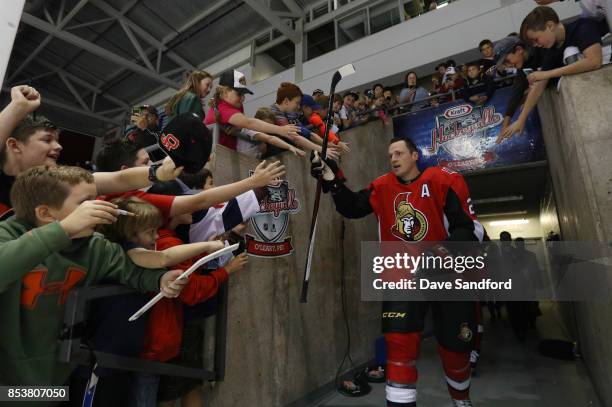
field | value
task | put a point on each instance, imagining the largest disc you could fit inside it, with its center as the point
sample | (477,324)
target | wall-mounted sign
(270,224)
(463,136)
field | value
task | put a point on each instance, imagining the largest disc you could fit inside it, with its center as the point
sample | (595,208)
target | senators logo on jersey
(410,223)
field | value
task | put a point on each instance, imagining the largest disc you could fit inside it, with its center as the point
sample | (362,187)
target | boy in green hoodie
(47,249)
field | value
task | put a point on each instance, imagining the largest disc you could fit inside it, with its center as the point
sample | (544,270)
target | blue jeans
(144,392)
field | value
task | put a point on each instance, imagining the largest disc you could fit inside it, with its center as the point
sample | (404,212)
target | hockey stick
(341,73)
(185,274)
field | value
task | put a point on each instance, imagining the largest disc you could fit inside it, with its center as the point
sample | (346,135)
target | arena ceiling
(93,59)
(509,192)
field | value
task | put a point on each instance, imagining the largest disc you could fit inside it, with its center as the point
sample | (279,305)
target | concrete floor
(510,374)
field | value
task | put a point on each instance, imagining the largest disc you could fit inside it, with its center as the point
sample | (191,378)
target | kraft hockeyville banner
(446,271)
(462,136)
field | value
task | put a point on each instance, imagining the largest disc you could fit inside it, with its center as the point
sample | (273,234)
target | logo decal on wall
(270,224)
(461,131)
(463,136)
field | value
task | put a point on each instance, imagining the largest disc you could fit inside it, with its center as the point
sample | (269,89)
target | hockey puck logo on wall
(270,224)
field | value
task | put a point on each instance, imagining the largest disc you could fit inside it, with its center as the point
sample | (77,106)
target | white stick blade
(347,70)
(185,274)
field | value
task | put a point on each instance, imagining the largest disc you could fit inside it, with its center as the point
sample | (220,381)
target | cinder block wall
(280,350)
(577,124)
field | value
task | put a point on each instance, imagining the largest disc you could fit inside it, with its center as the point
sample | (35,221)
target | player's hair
(116,154)
(146,216)
(287,90)
(27,128)
(45,185)
(409,143)
(537,19)
(484,42)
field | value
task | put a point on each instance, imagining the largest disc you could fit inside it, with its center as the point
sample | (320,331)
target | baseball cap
(317,92)
(503,47)
(187,141)
(309,101)
(235,80)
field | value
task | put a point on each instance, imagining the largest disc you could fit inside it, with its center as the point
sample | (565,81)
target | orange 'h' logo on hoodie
(34,286)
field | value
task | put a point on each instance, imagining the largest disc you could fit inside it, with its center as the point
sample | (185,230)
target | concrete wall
(280,350)
(549,220)
(577,124)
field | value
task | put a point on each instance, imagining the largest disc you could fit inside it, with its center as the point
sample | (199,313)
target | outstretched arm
(152,259)
(275,141)
(593,58)
(133,178)
(264,175)
(240,120)
(530,103)
(350,204)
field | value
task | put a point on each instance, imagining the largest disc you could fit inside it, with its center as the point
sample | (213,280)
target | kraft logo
(458,111)
(394,314)
(170,142)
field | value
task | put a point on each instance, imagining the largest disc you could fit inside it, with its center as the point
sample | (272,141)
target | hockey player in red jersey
(412,206)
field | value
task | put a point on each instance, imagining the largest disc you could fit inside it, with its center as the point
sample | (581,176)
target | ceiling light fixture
(501,214)
(510,198)
(510,222)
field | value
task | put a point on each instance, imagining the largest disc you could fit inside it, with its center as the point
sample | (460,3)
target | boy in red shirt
(313,112)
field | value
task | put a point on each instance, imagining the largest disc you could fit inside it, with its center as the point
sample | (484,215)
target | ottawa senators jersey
(434,207)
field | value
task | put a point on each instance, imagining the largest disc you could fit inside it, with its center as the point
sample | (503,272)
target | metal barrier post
(73,350)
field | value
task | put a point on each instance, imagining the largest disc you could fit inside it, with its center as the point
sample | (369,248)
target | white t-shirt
(346,113)
(246,143)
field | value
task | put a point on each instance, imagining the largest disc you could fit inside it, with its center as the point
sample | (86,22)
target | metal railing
(74,347)
(405,108)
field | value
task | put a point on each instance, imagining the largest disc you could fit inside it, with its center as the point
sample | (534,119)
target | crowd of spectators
(158,218)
